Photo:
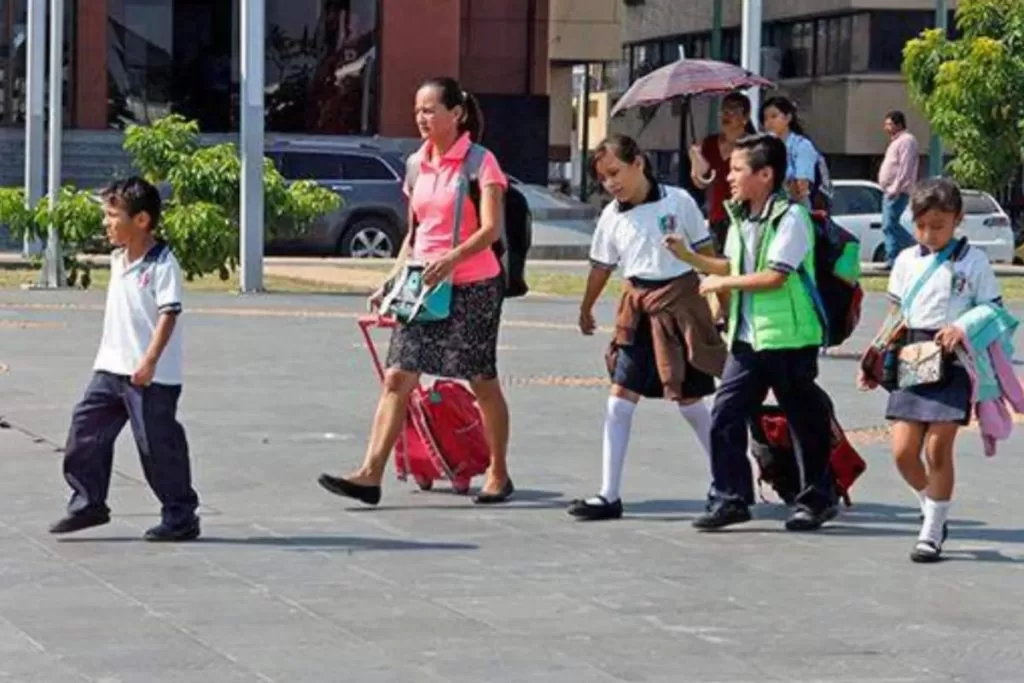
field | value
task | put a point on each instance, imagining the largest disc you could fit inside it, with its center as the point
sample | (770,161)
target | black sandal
(594,512)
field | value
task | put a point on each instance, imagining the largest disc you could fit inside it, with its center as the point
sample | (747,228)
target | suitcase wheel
(461,486)
(424,484)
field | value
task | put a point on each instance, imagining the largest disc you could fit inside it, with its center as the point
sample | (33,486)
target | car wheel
(372,237)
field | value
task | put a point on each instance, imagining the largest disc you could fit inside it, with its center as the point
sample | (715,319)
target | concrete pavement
(291,584)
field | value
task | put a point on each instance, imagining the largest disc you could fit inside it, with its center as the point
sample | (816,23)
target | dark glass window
(312,166)
(890,32)
(182,56)
(360,167)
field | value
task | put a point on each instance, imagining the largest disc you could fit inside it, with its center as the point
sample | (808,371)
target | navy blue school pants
(110,401)
(791,375)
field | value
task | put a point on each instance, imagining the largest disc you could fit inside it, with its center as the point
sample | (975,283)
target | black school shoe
(721,515)
(928,552)
(80,521)
(595,512)
(805,518)
(165,533)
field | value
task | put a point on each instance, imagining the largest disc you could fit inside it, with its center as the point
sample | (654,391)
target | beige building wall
(600,105)
(844,114)
(585,30)
(561,115)
(657,18)
(580,31)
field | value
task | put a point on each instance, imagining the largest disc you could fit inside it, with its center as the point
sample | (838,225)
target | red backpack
(772,448)
(443,437)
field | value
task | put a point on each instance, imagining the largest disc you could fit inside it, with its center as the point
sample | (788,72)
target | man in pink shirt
(897,177)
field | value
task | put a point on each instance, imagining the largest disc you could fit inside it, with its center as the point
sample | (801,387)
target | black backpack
(517,221)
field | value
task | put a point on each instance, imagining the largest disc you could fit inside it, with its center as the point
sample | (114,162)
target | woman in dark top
(709,162)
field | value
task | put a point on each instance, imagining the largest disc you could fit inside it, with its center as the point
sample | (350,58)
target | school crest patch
(959,283)
(667,223)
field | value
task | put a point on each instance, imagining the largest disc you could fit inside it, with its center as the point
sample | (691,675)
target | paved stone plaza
(290,584)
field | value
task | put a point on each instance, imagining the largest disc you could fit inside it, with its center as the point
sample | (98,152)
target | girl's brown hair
(625,150)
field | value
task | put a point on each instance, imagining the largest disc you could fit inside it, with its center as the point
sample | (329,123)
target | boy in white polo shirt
(137,376)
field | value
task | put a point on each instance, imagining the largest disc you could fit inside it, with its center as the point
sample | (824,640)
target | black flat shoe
(722,515)
(806,519)
(926,552)
(595,512)
(495,498)
(165,533)
(340,486)
(80,521)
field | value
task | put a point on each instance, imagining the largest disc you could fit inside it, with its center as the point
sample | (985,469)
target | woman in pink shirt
(464,345)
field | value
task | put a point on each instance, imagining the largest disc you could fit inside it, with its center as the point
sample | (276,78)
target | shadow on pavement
(522,499)
(296,542)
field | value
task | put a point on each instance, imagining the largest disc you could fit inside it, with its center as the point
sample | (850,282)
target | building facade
(839,60)
(333,67)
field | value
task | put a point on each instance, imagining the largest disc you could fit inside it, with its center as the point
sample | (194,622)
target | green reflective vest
(784,318)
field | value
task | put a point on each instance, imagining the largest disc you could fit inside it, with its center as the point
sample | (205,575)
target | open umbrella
(688,78)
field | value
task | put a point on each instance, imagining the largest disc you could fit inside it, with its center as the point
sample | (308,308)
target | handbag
(407,298)
(920,363)
(881,362)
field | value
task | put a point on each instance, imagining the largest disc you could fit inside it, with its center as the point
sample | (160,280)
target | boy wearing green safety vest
(774,334)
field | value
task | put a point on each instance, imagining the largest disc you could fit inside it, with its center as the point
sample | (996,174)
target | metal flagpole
(751,55)
(53,262)
(935,148)
(252,131)
(35,73)
(716,53)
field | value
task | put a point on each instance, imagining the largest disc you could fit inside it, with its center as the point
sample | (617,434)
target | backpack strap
(471,166)
(940,259)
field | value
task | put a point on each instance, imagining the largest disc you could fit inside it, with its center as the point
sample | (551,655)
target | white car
(857,206)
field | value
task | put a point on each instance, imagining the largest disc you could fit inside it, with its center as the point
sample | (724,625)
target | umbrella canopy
(688,78)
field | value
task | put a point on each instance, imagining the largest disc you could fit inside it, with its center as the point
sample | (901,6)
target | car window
(311,166)
(359,167)
(979,204)
(850,200)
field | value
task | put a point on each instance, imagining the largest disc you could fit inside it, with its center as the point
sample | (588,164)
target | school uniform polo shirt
(960,284)
(139,293)
(785,255)
(631,237)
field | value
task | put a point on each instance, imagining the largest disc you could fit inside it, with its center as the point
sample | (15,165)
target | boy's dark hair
(898,118)
(135,195)
(452,95)
(626,150)
(766,151)
(936,194)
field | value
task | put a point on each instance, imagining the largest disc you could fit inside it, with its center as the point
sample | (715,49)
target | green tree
(972,89)
(77,217)
(201,217)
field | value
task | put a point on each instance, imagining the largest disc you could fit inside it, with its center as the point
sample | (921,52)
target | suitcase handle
(367,323)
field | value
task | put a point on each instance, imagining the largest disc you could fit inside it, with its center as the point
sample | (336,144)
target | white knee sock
(935,514)
(699,417)
(922,499)
(617,424)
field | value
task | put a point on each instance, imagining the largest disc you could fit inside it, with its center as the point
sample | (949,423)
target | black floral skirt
(463,346)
